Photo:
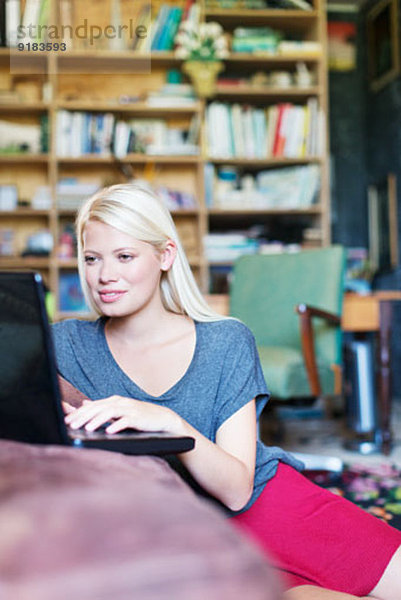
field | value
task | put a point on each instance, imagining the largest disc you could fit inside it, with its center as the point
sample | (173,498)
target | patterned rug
(376,489)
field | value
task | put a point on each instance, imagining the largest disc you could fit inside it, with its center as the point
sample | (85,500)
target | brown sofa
(97,525)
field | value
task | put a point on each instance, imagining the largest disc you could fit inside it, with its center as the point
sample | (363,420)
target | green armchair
(292,303)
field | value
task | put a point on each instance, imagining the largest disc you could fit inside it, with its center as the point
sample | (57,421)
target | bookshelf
(88,82)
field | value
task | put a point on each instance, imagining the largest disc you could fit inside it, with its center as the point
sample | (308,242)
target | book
(63,127)
(13,16)
(238,131)
(121,139)
(249,137)
(70,193)
(66,18)
(259,128)
(43,19)
(215,130)
(159,25)
(106,137)
(295,133)
(289,187)
(311,134)
(294,47)
(30,20)
(166,39)
(177,149)
(209,176)
(272,114)
(302,4)
(142,28)
(281,129)
(193,133)
(3,37)
(44,132)
(117,42)
(71,297)
(186,9)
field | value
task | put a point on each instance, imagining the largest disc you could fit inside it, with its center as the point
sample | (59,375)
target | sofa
(98,525)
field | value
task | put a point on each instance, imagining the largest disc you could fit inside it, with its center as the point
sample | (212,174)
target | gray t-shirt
(223,376)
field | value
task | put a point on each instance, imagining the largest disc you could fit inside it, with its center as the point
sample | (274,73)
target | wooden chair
(292,303)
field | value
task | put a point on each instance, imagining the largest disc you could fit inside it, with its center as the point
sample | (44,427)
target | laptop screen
(30,410)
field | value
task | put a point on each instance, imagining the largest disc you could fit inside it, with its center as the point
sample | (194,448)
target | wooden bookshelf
(92,80)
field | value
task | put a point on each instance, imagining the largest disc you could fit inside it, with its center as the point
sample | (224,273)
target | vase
(203,75)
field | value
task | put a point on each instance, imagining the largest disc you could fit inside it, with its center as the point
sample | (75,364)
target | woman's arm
(70,396)
(225,469)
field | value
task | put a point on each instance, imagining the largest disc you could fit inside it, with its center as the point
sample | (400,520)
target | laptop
(30,398)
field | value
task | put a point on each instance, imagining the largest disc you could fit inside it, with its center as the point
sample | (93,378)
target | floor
(325,436)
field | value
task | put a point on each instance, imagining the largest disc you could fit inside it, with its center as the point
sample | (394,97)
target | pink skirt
(317,538)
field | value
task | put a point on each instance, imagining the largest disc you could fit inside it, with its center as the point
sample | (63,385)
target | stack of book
(70,193)
(175,199)
(227,247)
(80,133)
(165,27)
(288,188)
(255,39)
(151,136)
(23,22)
(167,21)
(281,130)
(34,21)
(299,48)
(173,95)
(261,4)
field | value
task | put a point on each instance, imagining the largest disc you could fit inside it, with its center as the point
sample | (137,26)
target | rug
(376,489)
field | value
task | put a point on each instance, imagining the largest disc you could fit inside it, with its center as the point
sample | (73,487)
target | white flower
(222,54)
(205,41)
(202,30)
(193,45)
(220,44)
(181,38)
(182,53)
(214,29)
(188,26)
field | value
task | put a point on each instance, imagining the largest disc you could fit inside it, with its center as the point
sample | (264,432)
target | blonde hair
(135,210)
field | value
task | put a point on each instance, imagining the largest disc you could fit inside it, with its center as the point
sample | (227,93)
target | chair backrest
(266,288)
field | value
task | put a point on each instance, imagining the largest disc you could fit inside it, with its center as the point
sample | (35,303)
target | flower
(204,42)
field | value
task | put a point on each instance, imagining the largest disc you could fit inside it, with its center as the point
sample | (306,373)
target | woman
(159,359)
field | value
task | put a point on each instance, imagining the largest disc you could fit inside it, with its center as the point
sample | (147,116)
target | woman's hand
(123,413)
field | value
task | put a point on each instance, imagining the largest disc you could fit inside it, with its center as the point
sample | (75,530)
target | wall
(365,132)
(383,155)
(347,109)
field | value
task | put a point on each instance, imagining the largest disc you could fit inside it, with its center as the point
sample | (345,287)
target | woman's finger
(100,419)
(119,425)
(68,408)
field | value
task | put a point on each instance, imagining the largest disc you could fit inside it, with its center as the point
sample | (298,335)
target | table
(373,312)
(361,313)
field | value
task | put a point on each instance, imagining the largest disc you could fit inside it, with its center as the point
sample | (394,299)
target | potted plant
(202,46)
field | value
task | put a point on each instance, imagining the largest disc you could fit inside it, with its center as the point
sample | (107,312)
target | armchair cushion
(284,370)
(265,289)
